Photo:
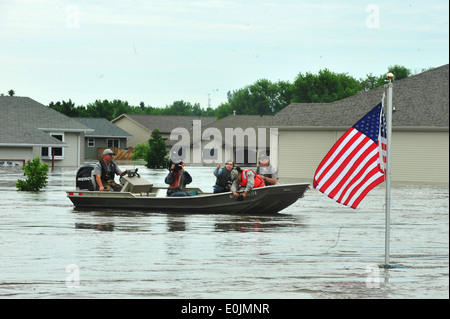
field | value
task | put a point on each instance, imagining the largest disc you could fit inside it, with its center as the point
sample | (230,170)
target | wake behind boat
(138,193)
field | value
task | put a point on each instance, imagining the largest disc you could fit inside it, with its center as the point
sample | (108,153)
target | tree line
(263,97)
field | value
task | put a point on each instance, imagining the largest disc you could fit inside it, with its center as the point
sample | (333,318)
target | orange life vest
(258,180)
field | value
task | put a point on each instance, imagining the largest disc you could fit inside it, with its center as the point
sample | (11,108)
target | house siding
(418,157)
(140,134)
(421,157)
(100,144)
(16,153)
(73,154)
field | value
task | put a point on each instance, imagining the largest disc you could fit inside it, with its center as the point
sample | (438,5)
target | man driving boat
(105,170)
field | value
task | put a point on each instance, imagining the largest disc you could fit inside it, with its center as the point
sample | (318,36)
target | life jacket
(107,175)
(258,180)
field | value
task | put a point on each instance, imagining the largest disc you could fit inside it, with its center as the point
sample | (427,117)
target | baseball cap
(108,151)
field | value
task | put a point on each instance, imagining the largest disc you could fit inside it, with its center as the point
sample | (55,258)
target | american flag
(357,162)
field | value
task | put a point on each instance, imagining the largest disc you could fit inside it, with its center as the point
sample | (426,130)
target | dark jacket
(223,179)
(178,180)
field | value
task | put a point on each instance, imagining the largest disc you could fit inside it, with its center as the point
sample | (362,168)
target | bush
(36,173)
(140,151)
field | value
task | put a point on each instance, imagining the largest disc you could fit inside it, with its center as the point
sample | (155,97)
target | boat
(139,194)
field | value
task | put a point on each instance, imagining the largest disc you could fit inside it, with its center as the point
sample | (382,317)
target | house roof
(25,122)
(239,122)
(420,101)
(103,128)
(165,123)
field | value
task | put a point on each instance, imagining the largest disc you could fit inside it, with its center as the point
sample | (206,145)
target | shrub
(36,173)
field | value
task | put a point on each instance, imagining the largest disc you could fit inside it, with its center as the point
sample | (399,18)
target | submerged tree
(36,173)
(157,154)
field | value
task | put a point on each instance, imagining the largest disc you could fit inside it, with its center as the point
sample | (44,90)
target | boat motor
(84,177)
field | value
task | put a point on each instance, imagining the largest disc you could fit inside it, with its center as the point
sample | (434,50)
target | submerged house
(29,129)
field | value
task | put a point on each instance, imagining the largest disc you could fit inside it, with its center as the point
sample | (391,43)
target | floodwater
(314,249)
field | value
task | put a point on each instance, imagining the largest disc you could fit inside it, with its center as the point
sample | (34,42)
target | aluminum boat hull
(265,200)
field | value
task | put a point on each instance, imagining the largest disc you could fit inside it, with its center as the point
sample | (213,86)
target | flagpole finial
(390,76)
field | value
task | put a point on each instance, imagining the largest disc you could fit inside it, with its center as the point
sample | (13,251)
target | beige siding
(416,156)
(140,134)
(420,157)
(16,153)
(301,151)
(73,154)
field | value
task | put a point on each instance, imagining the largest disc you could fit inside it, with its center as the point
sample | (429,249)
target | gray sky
(167,50)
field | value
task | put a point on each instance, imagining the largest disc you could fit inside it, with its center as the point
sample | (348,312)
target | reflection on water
(101,227)
(178,222)
(313,249)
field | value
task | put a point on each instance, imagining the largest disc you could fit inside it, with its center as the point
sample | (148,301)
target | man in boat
(244,178)
(105,170)
(223,180)
(266,171)
(177,178)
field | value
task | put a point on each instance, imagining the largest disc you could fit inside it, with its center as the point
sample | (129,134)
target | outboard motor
(84,177)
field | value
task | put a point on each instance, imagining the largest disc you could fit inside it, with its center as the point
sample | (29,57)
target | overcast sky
(167,50)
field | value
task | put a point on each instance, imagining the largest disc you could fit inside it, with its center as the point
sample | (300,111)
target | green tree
(140,151)
(400,72)
(157,153)
(223,110)
(371,81)
(260,98)
(325,87)
(36,173)
(67,108)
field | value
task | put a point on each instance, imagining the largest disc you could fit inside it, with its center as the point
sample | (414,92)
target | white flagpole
(388,169)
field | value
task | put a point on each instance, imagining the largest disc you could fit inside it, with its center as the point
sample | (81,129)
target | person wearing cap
(266,171)
(105,170)
(244,178)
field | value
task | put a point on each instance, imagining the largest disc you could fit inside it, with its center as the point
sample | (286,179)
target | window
(113,143)
(91,142)
(47,152)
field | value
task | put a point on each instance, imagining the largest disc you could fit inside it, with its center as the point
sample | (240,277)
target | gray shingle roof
(102,128)
(240,122)
(166,123)
(24,121)
(420,101)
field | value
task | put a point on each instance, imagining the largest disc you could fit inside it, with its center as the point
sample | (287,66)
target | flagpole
(388,169)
